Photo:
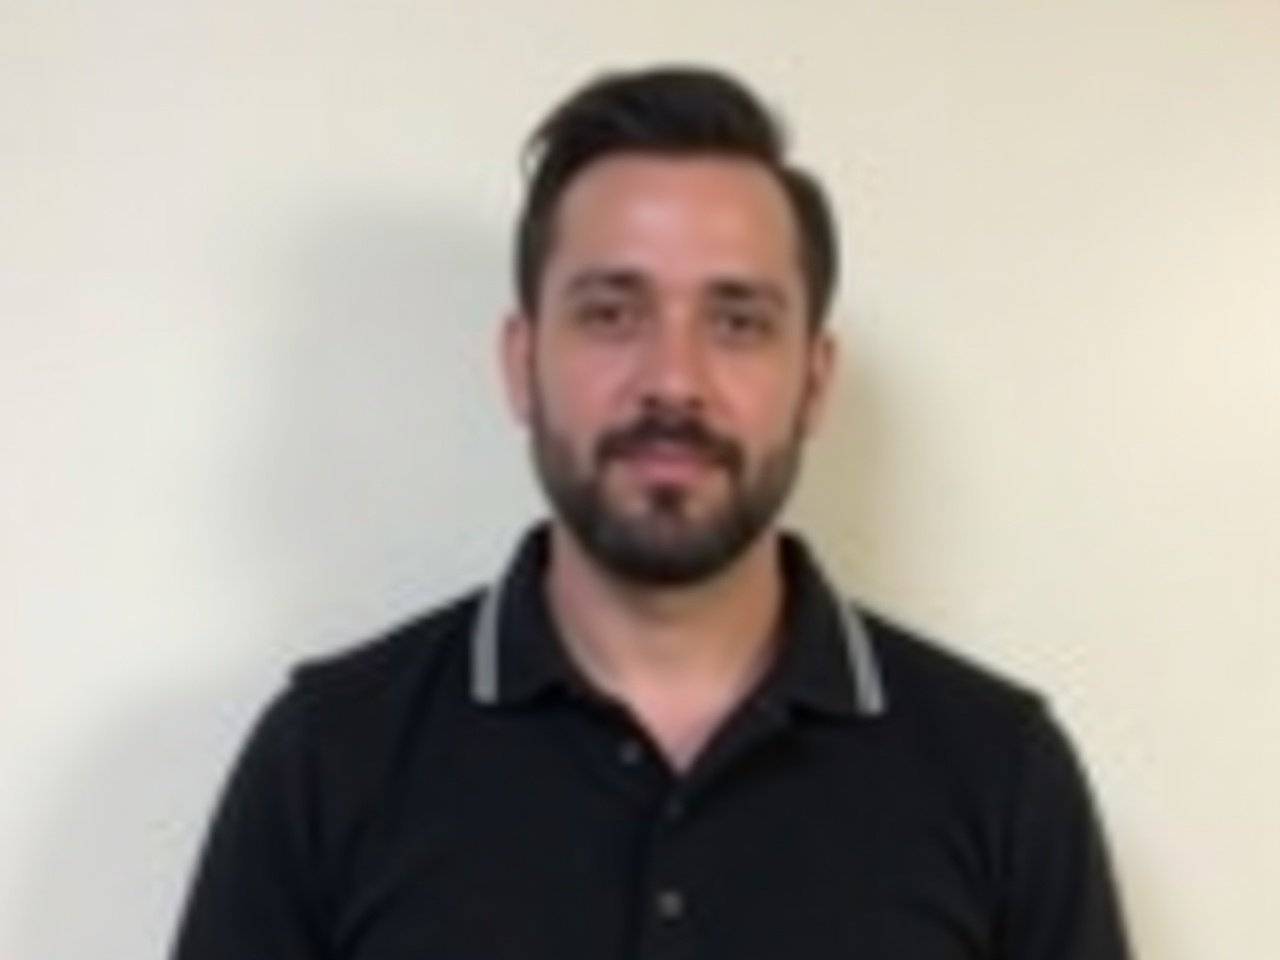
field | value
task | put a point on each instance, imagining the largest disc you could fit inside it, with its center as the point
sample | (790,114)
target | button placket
(670,903)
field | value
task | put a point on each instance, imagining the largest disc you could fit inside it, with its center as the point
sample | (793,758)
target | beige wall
(251,256)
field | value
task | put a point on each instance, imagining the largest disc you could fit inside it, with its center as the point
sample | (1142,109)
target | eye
(741,325)
(610,317)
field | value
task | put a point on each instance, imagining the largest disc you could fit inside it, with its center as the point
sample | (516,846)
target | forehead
(686,220)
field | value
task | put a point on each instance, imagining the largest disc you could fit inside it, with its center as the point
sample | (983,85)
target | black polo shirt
(458,791)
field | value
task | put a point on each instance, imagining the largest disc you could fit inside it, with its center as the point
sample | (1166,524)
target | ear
(821,364)
(516,360)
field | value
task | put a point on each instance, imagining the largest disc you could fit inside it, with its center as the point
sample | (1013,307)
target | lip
(668,461)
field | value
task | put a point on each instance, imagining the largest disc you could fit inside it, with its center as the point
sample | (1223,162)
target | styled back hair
(676,111)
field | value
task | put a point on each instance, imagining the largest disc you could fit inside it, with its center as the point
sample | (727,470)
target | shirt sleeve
(254,896)
(1060,901)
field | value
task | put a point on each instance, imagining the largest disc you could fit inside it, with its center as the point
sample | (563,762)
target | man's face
(669,377)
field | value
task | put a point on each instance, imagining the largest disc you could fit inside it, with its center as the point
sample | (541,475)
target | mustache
(677,429)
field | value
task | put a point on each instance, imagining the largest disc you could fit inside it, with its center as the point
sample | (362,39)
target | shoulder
(325,749)
(990,749)
(970,721)
(923,673)
(354,705)
(425,644)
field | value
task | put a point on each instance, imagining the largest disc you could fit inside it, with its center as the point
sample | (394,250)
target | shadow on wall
(389,455)
(354,499)
(117,847)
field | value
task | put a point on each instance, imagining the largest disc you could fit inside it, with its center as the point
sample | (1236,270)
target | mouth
(666,462)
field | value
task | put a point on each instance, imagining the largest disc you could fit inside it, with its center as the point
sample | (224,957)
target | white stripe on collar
(484,647)
(864,669)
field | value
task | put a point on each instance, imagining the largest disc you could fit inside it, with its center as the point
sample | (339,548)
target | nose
(674,367)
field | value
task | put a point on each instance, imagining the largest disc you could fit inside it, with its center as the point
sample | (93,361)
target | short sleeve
(254,896)
(1060,901)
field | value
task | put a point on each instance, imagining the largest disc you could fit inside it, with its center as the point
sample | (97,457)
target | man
(660,733)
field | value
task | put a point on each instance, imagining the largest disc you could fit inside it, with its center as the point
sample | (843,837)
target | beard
(664,543)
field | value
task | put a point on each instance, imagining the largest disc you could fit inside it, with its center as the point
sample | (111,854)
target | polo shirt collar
(825,661)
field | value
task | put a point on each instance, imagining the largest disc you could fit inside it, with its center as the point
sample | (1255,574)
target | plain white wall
(252,256)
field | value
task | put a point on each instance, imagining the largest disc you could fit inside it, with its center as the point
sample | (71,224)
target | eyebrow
(749,291)
(597,280)
(626,281)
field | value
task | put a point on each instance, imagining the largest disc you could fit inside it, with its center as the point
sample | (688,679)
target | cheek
(580,392)
(765,405)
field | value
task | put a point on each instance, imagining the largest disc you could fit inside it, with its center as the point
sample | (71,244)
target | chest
(824,842)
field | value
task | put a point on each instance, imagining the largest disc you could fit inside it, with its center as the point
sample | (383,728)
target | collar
(826,659)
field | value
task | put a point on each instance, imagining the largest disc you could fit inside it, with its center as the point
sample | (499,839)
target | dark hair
(667,110)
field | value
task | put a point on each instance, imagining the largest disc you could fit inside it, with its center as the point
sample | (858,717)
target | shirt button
(670,905)
(631,752)
(675,809)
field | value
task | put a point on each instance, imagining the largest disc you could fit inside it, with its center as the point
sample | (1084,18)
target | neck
(680,658)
